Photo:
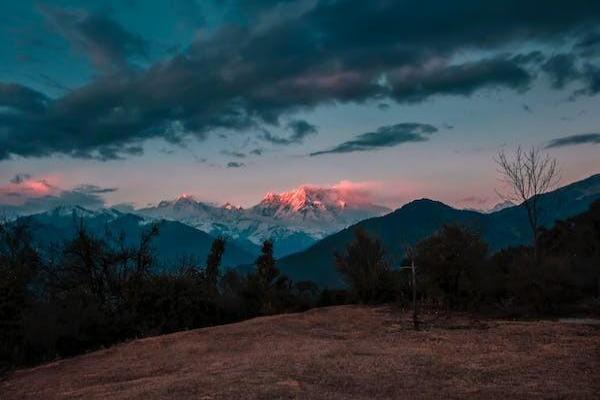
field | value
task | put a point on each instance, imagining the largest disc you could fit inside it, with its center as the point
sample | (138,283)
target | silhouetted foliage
(19,265)
(451,263)
(265,291)
(568,270)
(265,264)
(213,262)
(95,291)
(366,270)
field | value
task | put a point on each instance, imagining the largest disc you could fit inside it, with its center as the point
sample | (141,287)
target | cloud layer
(591,138)
(272,59)
(385,136)
(300,129)
(106,43)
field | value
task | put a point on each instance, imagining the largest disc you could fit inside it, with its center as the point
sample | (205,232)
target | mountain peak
(231,207)
(501,206)
(308,196)
(184,197)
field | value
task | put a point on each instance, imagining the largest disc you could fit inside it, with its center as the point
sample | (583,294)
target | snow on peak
(501,206)
(81,212)
(181,200)
(185,198)
(308,196)
(231,207)
(308,210)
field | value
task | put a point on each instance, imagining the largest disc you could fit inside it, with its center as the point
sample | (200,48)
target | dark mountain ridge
(174,241)
(420,218)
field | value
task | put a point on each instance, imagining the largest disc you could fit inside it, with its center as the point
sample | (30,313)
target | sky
(132,102)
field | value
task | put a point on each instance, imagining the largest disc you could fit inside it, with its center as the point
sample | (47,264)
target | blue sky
(226,100)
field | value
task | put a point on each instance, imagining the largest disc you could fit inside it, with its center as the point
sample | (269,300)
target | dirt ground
(346,352)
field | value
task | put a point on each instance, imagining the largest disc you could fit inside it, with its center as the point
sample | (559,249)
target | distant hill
(421,218)
(175,240)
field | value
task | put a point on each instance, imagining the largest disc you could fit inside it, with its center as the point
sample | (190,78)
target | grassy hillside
(346,352)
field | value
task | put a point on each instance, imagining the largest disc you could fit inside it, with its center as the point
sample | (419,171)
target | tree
(213,262)
(19,264)
(265,264)
(261,287)
(528,174)
(365,268)
(451,262)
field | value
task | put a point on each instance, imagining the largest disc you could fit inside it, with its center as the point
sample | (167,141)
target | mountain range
(317,221)
(420,218)
(175,241)
(294,220)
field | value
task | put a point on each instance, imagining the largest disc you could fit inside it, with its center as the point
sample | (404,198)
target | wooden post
(414,295)
(413,271)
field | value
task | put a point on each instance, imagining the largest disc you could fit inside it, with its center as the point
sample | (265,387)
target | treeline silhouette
(92,292)
(456,271)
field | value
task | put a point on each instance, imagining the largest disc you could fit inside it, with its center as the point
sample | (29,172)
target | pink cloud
(26,195)
(18,191)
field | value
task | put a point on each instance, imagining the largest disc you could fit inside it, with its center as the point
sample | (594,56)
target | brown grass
(347,352)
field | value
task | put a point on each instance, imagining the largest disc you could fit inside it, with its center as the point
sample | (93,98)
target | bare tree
(528,174)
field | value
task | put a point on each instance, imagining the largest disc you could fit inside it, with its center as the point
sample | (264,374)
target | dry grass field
(345,352)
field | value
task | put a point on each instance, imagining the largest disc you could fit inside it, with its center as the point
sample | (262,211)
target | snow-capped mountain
(318,206)
(501,206)
(294,219)
(498,207)
(174,240)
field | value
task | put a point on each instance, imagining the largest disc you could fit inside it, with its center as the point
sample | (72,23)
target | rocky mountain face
(293,220)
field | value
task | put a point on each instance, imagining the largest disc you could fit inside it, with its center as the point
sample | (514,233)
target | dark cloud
(562,69)
(591,76)
(257,152)
(527,108)
(300,129)
(107,44)
(272,59)
(20,178)
(235,164)
(417,84)
(383,106)
(584,138)
(385,136)
(190,12)
(589,44)
(93,189)
(235,154)
(22,99)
